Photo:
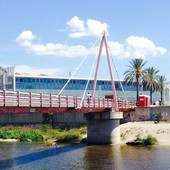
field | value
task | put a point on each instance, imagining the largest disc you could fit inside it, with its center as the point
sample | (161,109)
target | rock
(28,140)
(134,143)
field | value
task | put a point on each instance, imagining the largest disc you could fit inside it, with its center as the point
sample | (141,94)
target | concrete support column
(103,128)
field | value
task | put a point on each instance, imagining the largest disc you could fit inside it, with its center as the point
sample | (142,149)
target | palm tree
(150,80)
(135,73)
(161,83)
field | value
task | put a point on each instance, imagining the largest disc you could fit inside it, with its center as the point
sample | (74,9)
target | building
(10,80)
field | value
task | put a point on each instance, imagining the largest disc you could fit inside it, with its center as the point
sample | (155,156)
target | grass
(42,133)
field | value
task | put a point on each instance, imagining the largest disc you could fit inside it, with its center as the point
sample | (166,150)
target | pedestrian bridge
(25,102)
(102,114)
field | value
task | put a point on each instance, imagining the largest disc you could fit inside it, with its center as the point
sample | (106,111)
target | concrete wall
(78,119)
(65,120)
(148,113)
(69,119)
(32,118)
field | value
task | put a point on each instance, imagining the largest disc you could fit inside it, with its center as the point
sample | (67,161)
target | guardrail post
(18,98)
(59,103)
(83,103)
(94,102)
(103,102)
(107,103)
(50,100)
(4,97)
(75,101)
(98,102)
(41,100)
(67,101)
(112,105)
(30,98)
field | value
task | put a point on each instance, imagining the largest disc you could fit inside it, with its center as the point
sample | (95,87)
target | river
(30,156)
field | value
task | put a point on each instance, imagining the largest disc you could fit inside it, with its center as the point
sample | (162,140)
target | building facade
(9,80)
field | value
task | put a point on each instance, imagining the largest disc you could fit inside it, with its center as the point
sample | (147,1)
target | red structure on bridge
(23,102)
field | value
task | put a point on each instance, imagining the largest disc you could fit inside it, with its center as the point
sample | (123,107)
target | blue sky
(53,36)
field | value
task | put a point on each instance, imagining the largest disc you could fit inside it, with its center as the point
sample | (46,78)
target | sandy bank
(130,131)
(8,140)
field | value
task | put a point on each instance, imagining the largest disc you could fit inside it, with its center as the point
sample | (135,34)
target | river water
(30,156)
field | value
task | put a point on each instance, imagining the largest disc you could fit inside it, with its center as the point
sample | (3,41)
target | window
(41,80)
(33,80)
(17,80)
(27,80)
(21,80)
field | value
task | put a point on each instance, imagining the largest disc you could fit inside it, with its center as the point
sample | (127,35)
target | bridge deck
(24,102)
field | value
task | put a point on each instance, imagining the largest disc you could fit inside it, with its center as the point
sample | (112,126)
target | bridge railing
(26,99)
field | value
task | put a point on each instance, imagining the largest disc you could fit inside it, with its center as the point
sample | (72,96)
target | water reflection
(11,160)
(82,157)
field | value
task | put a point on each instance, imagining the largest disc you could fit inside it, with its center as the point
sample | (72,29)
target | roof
(26,75)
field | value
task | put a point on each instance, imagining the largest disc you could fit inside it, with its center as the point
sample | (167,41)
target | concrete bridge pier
(103,128)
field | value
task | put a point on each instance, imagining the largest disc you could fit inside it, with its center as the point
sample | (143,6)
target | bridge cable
(77,68)
(91,71)
(117,74)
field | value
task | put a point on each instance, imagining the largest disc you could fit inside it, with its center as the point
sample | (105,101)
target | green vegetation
(147,77)
(42,133)
(135,73)
(148,141)
(161,84)
(150,79)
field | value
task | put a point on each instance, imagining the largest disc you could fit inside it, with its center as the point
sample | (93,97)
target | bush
(149,140)
(42,133)
(32,135)
(5,135)
(22,135)
(70,138)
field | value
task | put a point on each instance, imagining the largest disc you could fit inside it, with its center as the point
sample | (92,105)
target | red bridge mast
(104,42)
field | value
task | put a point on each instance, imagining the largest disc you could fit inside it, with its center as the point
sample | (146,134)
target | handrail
(28,99)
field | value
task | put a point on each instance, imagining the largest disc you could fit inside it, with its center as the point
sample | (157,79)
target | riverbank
(130,131)
(43,133)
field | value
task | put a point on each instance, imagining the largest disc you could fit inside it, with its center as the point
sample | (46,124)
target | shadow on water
(24,159)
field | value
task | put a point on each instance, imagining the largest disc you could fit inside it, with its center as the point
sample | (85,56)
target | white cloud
(96,28)
(37,71)
(26,35)
(80,28)
(141,47)
(50,48)
(25,38)
(136,47)
(133,46)
(76,24)
(118,49)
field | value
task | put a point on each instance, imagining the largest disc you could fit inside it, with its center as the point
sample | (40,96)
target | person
(88,98)
(157,103)
(88,95)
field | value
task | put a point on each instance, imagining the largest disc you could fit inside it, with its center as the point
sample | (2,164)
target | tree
(150,80)
(135,73)
(161,83)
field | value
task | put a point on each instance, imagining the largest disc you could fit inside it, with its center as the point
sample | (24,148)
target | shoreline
(131,130)
(8,140)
